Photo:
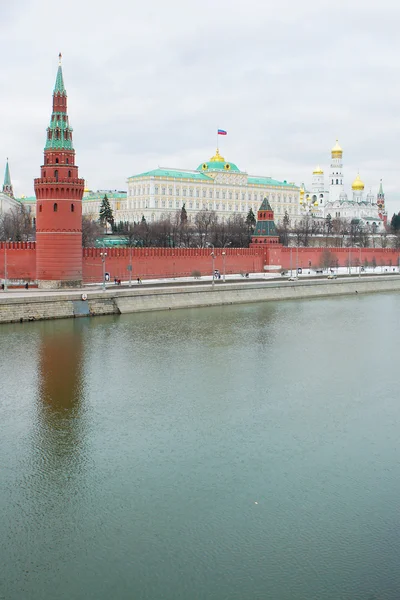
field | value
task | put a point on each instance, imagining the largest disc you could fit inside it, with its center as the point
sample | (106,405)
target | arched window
(337,181)
(56,175)
(57,160)
(72,208)
(55,207)
(40,208)
(67,161)
(69,173)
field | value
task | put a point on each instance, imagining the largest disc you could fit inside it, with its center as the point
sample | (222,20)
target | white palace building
(215,185)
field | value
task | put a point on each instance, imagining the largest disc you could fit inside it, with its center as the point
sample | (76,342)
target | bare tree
(90,231)
(204,222)
(16,225)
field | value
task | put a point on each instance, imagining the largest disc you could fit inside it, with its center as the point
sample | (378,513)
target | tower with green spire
(59,192)
(380,200)
(7,185)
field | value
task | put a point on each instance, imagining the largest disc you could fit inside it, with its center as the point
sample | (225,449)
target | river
(246,452)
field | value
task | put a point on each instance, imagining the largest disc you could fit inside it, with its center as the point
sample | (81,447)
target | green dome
(217,163)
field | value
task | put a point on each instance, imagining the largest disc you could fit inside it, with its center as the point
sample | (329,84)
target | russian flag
(222,132)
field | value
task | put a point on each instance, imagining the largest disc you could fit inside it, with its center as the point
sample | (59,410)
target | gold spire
(217,157)
(358,185)
(318,171)
(337,151)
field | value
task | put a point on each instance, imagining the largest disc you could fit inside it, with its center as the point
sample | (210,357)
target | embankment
(36,305)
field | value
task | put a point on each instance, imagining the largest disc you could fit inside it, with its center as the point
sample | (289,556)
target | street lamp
(5,265)
(103,259)
(224,256)
(212,262)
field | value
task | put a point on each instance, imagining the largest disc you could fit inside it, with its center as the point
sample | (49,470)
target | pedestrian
(26,285)
(138,279)
(115,281)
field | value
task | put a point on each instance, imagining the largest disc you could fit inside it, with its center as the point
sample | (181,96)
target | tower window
(67,161)
(56,175)
(337,181)
(55,207)
(72,208)
(44,173)
(57,160)
(69,173)
(40,208)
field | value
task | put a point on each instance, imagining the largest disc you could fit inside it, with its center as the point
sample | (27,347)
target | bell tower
(59,194)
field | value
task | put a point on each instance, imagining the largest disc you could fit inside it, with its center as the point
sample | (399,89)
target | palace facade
(216,185)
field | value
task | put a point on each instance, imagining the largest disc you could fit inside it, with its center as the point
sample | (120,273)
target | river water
(242,452)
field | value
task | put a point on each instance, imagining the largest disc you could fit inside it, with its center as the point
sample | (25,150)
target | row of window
(191,192)
(55,207)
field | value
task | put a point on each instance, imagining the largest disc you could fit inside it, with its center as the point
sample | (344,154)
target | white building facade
(216,185)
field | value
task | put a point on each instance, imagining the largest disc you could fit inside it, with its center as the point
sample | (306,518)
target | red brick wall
(149,263)
(21,260)
(179,262)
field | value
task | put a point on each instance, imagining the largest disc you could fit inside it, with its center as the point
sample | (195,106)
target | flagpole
(217,140)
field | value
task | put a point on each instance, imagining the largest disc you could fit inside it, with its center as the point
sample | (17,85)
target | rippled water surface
(238,453)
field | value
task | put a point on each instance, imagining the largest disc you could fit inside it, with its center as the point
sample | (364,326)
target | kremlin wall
(151,263)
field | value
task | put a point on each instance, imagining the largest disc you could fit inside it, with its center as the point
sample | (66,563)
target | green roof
(269,181)
(101,194)
(59,87)
(174,174)
(7,178)
(265,228)
(218,166)
(265,205)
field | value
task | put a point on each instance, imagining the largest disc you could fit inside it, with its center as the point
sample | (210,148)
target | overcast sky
(149,83)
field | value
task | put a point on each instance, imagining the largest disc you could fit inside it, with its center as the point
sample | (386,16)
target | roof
(269,181)
(265,205)
(173,174)
(265,228)
(7,178)
(212,165)
(59,87)
(27,199)
(100,195)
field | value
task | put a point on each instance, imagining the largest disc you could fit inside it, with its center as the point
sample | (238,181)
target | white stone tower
(336,187)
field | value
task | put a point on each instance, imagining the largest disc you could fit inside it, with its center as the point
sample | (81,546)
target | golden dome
(318,171)
(358,185)
(337,151)
(217,157)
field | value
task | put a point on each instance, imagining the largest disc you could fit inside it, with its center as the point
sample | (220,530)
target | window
(204,193)
(163,203)
(156,203)
(56,175)
(163,191)
(177,204)
(230,195)
(237,195)
(210,194)
(190,192)
(190,204)
(197,193)
(170,191)
(223,207)
(224,195)
(184,191)
(217,194)
(40,208)
(155,189)
(55,207)
(44,173)
(170,203)
(69,174)
(67,161)
(177,191)
(243,196)
(57,160)
(337,181)
(72,208)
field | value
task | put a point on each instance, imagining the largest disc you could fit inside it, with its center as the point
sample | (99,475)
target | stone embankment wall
(38,306)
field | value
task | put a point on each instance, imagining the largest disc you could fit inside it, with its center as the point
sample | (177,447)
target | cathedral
(322,200)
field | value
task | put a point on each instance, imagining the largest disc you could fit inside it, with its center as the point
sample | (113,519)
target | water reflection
(60,430)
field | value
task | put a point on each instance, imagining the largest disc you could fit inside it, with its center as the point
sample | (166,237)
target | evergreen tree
(251,220)
(395,222)
(143,219)
(106,213)
(184,216)
(329,224)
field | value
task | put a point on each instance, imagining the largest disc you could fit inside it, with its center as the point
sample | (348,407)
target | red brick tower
(266,238)
(59,194)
